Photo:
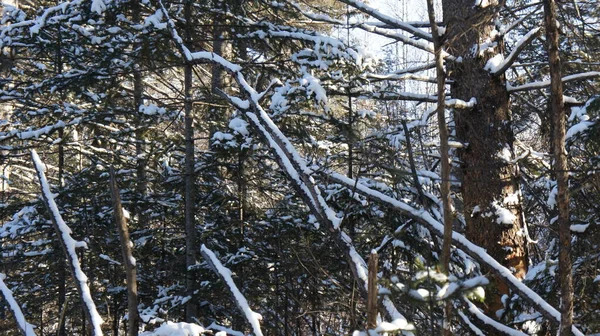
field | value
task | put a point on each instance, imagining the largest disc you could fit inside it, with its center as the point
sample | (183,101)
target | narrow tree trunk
(190,207)
(489,181)
(241,185)
(443,129)
(444,158)
(62,279)
(372,292)
(128,260)
(560,169)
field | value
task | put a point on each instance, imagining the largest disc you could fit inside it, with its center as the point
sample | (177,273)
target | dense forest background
(229,166)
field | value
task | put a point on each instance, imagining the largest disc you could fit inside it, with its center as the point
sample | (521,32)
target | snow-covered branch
(297,171)
(476,252)
(26,328)
(546,83)
(361,6)
(69,245)
(514,54)
(489,321)
(225,274)
(385,29)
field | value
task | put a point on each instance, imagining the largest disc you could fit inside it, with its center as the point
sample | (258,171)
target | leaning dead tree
(127,253)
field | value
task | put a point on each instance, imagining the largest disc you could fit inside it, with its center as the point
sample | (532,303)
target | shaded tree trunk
(189,180)
(561,167)
(444,158)
(128,260)
(490,185)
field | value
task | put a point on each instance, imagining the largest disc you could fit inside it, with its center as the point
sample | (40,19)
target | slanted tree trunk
(490,186)
(561,167)
(128,260)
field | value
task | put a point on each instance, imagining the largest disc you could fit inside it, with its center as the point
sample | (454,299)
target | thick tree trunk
(490,185)
(560,170)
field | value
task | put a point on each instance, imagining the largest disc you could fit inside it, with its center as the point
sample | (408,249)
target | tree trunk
(560,170)
(444,158)
(490,185)
(190,208)
(128,260)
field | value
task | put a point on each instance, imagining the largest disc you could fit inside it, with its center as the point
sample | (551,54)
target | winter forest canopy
(230,167)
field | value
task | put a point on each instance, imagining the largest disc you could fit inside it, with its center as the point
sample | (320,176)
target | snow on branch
(545,84)
(98,6)
(31,133)
(476,252)
(26,328)
(375,28)
(361,6)
(296,169)
(498,69)
(69,246)
(181,328)
(225,274)
(489,321)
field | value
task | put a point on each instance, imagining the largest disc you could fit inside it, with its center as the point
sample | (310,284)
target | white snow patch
(494,63)
(580,228)
(551,202)
(239,125)
(98,6)
(511,199)
(578,128)
(176,329)
(503,215)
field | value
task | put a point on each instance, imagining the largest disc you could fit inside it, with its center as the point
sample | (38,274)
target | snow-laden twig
(489,321)
(393,22)
(476,252)
(225,274)
(546,83)
(473,327)
(378,29)
(26,328)
(69,245)
(517,49)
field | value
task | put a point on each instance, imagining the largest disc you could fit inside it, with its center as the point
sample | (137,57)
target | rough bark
(128,260)
(488,179)
(561,167)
